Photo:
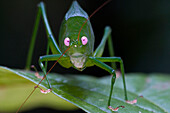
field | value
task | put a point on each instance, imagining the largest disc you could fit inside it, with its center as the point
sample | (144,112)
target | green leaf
(14,89)
(91,93)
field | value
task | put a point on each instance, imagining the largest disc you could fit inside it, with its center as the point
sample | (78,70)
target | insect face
(77,51)
(76,34)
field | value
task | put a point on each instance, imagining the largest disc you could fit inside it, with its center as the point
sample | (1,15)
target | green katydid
(76,41)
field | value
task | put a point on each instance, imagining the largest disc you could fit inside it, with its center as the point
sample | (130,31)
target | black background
(140,31)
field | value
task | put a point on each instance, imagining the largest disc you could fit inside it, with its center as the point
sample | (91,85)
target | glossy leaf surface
(91,93)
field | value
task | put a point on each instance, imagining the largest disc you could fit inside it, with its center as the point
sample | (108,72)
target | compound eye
(67,41)
(84,40)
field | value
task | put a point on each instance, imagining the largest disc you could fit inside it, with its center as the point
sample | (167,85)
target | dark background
(140,31)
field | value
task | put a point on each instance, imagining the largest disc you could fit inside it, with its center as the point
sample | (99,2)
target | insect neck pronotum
(42,80)
(91,16)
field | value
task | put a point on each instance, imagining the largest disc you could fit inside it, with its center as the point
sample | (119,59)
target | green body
(78,55)
(70,27)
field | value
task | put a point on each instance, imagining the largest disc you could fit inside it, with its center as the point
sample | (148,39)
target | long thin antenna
(92,15)
(62,54)
(42,80)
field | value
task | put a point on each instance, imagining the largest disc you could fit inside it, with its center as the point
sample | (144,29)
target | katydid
(76,46)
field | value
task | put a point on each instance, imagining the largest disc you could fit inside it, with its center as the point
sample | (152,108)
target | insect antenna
(42,80)
(92,15)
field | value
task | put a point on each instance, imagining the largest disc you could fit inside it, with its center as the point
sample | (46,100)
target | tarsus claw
(133,101)
(115,109)
(45,91)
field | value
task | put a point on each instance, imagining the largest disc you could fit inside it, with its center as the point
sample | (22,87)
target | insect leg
(107,68)
(111,49)
(99,50)
(51,40)
(34,34)
(49,58)
(116,59)
(99,61)
(53,45)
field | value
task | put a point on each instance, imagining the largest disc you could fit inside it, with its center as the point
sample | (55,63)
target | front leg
(112,72)
(49,58)
(116,59)
(98,61)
